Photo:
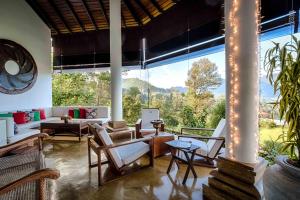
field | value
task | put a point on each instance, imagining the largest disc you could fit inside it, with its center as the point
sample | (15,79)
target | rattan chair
(24,176)
(119,156)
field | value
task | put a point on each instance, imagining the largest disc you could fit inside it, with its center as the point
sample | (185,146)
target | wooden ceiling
(73,16)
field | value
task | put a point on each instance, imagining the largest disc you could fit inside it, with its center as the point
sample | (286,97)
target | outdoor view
(189,93)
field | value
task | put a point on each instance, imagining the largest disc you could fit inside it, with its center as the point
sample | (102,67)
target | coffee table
(60,127)
(178,146)
(160,147)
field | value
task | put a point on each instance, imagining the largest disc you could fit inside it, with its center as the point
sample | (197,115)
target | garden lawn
(269,133)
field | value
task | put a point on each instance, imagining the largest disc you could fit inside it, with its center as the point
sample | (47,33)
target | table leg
(171,162)
(79,134)
(190,166)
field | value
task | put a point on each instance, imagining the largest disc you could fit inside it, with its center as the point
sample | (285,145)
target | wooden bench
(24,175)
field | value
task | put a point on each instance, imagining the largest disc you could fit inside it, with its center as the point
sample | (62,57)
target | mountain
(143,86)
(179,89)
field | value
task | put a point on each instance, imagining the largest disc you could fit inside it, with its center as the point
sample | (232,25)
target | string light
(234,68)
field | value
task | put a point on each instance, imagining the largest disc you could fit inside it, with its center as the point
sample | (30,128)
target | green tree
(132,104)
(217,113)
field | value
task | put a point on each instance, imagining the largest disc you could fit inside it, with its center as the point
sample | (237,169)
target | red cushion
(71,113)
(20,117)
(42,113)
(82,113)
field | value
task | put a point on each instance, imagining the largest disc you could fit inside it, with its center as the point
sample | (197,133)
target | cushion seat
(203,145)
(36,124)
(130,153)
(23,133)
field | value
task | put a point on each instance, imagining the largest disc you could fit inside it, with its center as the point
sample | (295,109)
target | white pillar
(116,60)
(242,79)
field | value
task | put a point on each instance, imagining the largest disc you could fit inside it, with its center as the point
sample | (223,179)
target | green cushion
(76,113)
(6,115)
(37,116)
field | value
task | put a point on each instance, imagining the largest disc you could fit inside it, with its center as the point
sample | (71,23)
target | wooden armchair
(143,126)
(24,176)
(209,150)
(119,156)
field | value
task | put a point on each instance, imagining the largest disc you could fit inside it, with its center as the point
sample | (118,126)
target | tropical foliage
(283,66)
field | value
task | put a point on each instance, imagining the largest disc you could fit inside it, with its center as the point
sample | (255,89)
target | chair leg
(89,154)
(99,169)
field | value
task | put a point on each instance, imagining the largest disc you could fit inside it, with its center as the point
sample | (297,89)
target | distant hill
(266,90)
(142,85)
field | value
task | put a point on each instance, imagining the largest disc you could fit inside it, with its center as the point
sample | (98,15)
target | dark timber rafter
(141,5)
(157,6)
(132,11)
(74,14)
(123,19)
(60,15)
(90,14)
(43,15)
(104,11)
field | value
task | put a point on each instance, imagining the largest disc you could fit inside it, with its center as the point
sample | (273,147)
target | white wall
(19,23)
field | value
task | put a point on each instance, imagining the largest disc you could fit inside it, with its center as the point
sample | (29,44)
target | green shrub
(270,149)
(267,123)
(217,113)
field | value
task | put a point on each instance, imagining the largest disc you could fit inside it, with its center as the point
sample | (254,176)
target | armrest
(196,129)
(128,142)
(138,125)
(37,175)
(199,137)
(17,144)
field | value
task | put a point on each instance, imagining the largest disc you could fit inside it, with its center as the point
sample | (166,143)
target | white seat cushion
(147,130)
(203,145)
(35,124)
(106,140)
(132,152)
(10,128)
(148,115)
(23,133)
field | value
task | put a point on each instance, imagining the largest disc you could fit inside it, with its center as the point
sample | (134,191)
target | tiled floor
(78,182)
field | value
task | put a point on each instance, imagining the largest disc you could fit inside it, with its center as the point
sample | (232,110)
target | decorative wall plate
(18,70)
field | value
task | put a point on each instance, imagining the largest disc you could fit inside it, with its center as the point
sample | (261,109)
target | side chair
(210,145)
(119,155)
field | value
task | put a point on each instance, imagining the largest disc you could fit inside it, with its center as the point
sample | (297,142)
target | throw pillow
(90,113)
(19,117)
(71,113)
(6,115)
(76,113)
(82,113)
(37,116)
(29,116)
(42,112)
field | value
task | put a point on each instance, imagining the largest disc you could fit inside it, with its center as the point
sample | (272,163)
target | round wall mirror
(18,71)
(12,67)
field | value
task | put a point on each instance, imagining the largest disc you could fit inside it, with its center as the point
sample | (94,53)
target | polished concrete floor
(77,181)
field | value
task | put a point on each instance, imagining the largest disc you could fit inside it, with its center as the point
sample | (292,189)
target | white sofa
(53,113)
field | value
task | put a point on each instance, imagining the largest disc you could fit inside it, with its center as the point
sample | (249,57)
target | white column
(116,60)
(242,79)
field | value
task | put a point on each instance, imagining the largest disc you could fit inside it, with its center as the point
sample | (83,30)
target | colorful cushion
(90,113)
(29,116)
(71,113)
(42,112)
(82,113)
(76,113)
(19,117)
(37,116)
(6,115)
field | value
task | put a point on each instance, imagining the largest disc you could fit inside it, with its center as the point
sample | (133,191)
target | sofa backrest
(102,111)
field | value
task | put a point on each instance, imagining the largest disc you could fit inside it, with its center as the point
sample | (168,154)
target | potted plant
(282,180)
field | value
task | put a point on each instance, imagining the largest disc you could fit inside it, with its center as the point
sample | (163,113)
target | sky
(175,74)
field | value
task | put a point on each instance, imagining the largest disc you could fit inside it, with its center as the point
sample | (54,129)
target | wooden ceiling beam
(90,14)
(123,19)
(141,5)
(71,7)
(42,14)
(157,6)
(104,11)
(132,12)
(60,15)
